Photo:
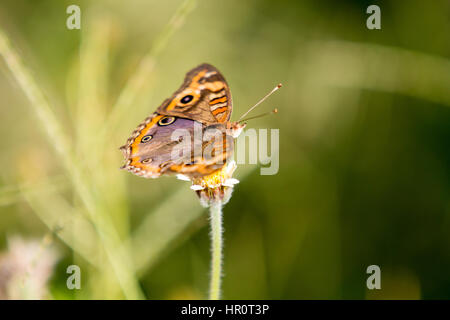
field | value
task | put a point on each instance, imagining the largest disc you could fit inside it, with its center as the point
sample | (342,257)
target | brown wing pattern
(204,99)
(156,148)
(204,96)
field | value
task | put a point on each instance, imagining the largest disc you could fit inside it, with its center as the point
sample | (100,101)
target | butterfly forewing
(204,96)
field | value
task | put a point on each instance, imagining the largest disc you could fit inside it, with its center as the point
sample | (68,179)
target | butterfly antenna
(260,101)
(260,115)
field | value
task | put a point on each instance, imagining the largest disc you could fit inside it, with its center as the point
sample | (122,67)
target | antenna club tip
(279,85)
(275,110)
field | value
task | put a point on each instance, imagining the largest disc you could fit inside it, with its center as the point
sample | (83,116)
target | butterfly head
(234,129)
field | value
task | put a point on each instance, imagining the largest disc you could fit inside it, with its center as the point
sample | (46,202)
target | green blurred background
(364,175)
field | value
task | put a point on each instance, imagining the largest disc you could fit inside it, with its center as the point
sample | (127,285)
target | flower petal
(183,177)
(230,182)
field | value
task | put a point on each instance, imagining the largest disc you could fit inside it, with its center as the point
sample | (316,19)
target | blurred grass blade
(162,226)
(12,194)
(377,67)
(40,105)
(137,81)
(99,163)
(61,218)
(55,134)
(92,83)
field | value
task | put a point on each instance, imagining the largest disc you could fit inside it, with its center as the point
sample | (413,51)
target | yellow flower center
(214,180)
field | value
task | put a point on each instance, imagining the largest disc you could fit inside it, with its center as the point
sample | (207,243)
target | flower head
(217,186)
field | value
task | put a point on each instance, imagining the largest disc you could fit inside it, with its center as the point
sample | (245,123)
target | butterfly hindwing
(171,145)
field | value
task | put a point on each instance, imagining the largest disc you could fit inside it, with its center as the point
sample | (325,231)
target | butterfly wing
(204,96)
(172,145)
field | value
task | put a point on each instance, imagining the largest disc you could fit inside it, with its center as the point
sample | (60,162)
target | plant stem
(215,210)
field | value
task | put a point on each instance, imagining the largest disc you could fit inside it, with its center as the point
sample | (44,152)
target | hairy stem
(215,210)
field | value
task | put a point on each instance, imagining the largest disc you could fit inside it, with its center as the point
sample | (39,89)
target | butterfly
(189,134)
